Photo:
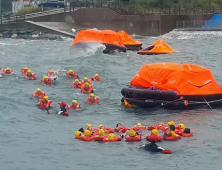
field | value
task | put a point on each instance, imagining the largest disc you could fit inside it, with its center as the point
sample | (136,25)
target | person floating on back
(63,110)
(39,93)
(7,71)
(44,103)
(92,99)
(74,105)
(76,84)
(46,80)
(87,88)
(24,70)
(96,78)
(71,74)
(29,75)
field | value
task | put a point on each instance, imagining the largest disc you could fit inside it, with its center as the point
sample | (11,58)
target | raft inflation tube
(173,86)
(109,38)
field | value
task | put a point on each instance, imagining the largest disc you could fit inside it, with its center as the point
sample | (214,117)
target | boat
(173,86)
(159,47)
(129,42)
(109,38)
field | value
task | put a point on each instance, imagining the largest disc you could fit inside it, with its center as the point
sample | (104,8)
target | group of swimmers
(85,86)
(106,134)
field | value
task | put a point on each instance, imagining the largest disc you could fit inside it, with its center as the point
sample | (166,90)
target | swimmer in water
(76,84)
(24,70)
(96,77)
(86,88)
(39,93)
(72,73)
(29,75)
(8,70)
(92,99)
(63,110)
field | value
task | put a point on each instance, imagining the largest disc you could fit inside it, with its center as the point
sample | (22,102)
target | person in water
(29,75)
(86,88)
(180,129)
(72,73)
(63,110)
(152,146)
(45,103)
(74,105)
(24,70)
(8,71)
(92,99)
(96,78)
(82,130)
(86,80)
(46,80)
(170,132)
(52,73)
(76,84)
(39,93)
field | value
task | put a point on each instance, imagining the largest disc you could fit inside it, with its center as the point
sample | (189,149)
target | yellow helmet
(100,126)
(87,133)
(8,69)
(173,133)
(76,80)
(182,126)
(101,132)
(46,97)
(171,123)
(29,71)
(38,89)
(70,71)
(52,71)
(77,133)
(155,131)
(88,125)
(96,75)
(26,68)
(92,95)
(45,77)
(132,133)
(139,124)
(85,78)
(111,136)
(74,101)
(86,84)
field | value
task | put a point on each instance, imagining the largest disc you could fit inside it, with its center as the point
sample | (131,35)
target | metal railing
(198,24)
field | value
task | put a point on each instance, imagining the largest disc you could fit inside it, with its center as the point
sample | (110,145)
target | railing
(198,24)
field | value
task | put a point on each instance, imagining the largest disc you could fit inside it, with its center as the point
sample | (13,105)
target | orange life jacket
(117,138)
(88,91)
(28,77)
(94,79)
(82,82)
(157,138)
(139,128)
(4,72)
(78,137)
(95,101)
(44,105)
(87,138)
(23,71)
(74,75)
(76,86)
(70,106)
(99,138)
(121,129)
(40,96)
(135,138)
(47,83)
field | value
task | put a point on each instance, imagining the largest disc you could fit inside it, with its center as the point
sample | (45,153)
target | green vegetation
(29,10)
(172,3)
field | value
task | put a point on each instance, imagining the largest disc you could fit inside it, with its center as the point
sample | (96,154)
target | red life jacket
(135,138)
(44,105)
(88,91)
(157,138)
(139,128)
(23,71)
(70,106)
(74,75)
(4,72)
(28,77)
(82,82)
(40,96)
(108,130)
(76,86)
(94,79)
(87,138)
(95,101)
(99,138)
(47,83)
(121,129)
(55,73)
(78,137)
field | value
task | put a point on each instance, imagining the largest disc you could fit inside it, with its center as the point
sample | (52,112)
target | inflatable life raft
(159,47)
(130,43)
(173,86)
(109,38)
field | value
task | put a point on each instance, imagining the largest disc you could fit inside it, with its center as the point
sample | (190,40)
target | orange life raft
(159,47)
(109,38)
(129,43)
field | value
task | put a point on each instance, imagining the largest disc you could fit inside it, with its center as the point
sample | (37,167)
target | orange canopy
(186,79)
(99,36)
(127,40)
(159,47)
